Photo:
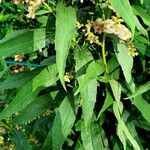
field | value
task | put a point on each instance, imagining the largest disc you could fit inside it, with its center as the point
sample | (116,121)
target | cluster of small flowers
(33,5)
(112,26)
(132,50)
(68,77)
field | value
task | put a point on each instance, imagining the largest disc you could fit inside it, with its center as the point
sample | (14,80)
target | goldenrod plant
(74,74)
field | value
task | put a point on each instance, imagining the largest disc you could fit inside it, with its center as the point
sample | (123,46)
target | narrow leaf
(108,102)
(27,94)
(64,120)
(92,140)
(142,89)
(18,80)
(124,9)
(22,42)
(65,30)
(143,106)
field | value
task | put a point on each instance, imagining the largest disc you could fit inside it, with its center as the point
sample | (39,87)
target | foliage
(74,74)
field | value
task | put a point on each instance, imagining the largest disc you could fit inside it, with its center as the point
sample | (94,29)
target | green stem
(104,53)
(5,126)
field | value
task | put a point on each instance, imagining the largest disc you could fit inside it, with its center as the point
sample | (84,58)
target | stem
(5,125)
(104,53)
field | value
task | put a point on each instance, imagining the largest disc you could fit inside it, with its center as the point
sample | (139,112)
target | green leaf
(92,140)
(143,106)
(22,42)
(94,69)
(64,120)
(107,103)
(142,89)
(79,145)
(142,13)
(26,95)
(116,89)
(124,9)
(20,141)
(140,27)
(34,109)
(65,31)
(19,79)
(83,57)
(126,62)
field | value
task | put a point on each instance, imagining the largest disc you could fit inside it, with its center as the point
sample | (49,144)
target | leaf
(116,89)
(19,79)
(126,62)
(79,145)
(142,89)
(34,109)
(22,42)
(142,13)
(143,106)
(65,30)
(88,98)
(124,9)
(26,95)
(64,120)
(92,140)
(20,141)
(107,103)
(94,69)
(140,27)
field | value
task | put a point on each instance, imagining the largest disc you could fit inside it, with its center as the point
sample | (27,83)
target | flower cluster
(132,50)
(33,5)
(110,26)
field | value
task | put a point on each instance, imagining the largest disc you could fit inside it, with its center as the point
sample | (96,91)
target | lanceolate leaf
(94,69)
(22,42)
(143,106)
(124,9)
(65,30)
(27,94)
(89,90)
(126,62)
(141,90)
(93,139)
(64,120)
(19,80)
(35,108)
(108,102)
(142,13)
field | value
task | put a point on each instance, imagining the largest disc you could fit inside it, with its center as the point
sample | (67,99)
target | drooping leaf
(47,77)
(22,42)
(124,9)
(64,120)
(20,141)
(92,140)
(65,30)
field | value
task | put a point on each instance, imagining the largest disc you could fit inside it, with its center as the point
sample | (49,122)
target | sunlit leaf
(64,120)
(124,9)
(27,94)
(65,30)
